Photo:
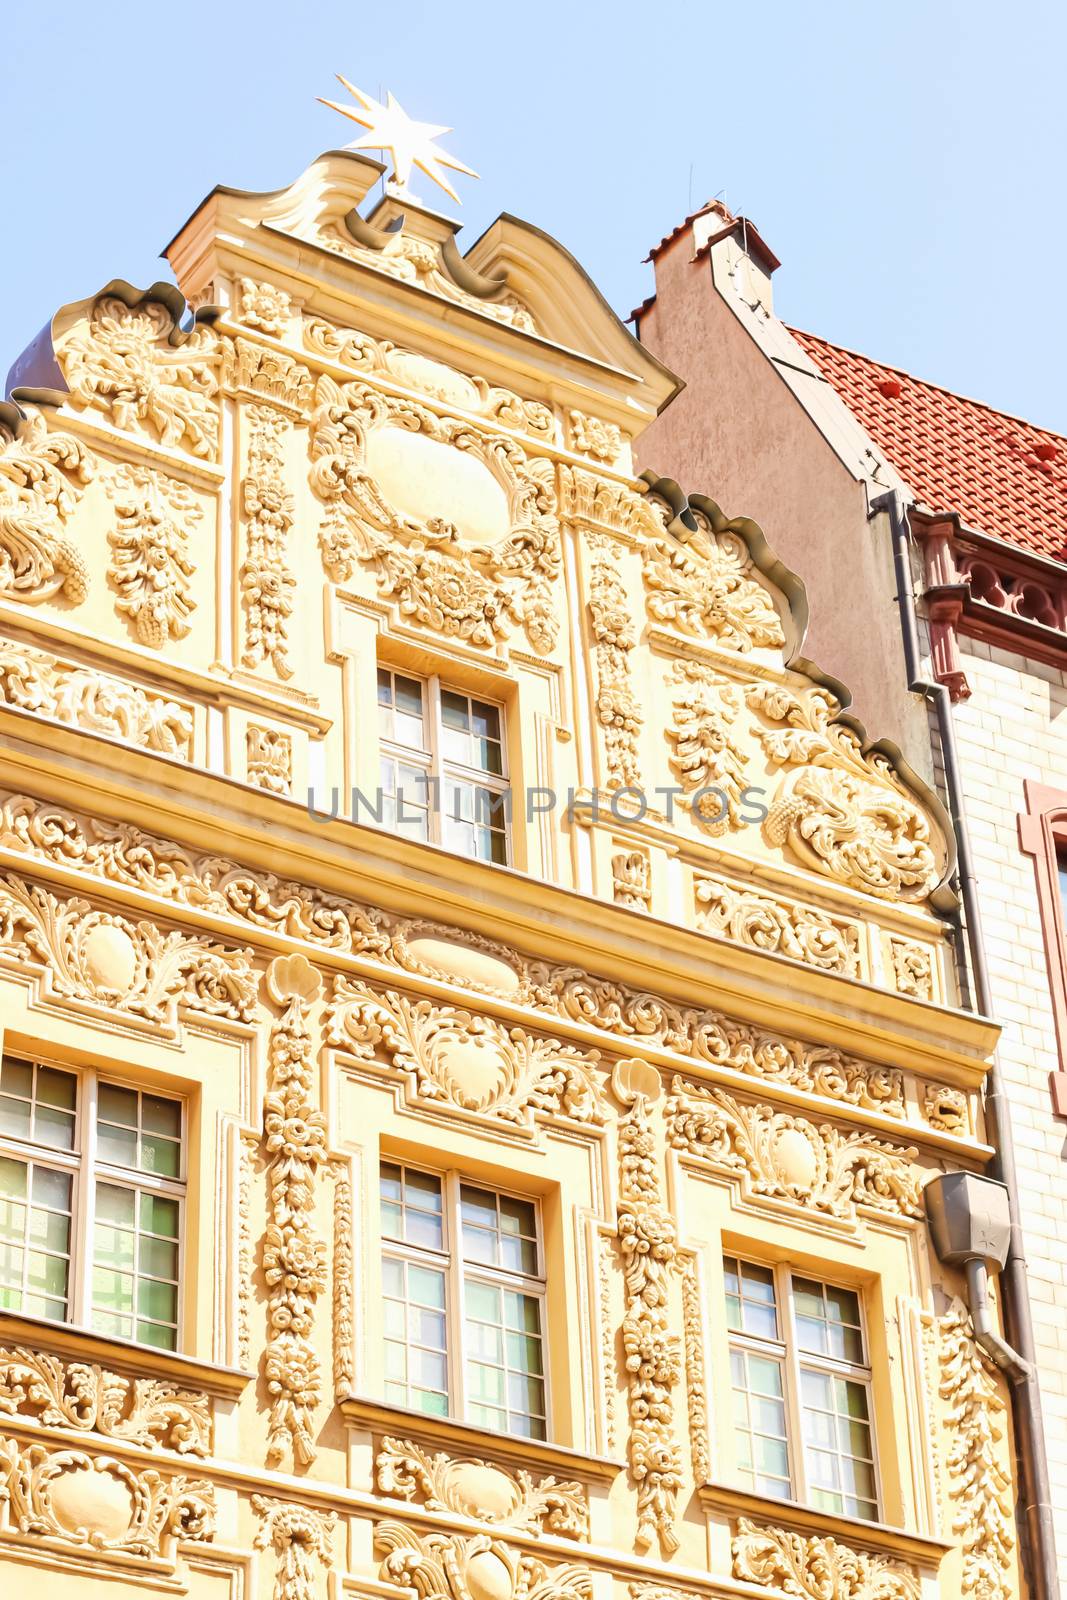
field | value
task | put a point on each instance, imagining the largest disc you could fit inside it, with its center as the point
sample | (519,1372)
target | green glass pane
(768,1416)
(12,1221)
(518,1216)
(519,1255)
(50,1230)
(827,1500)
(112,1291)
(733,1311)
(47,1274)
(16,1077)
(772,1457)
(38,1305)
(851,1399)
(159,1214)
(820,1429)
(110,1322)
(737,1369)
(51,1188)
(526,1394)
(426,1328)
(429,1370)
(56,1088)
(808,1297)
(530,1427)
(436,1405)
(396,1393)
(454,710)
(823,1469)
(485,1383)
(426,1287)
(765,1377)
(155,1334)
(12,1261)
(482,1301)
(115,1205)
(858,1478)
(157,1300)
(524,1354)
(488,1417)
(775,1488)
(816,1389)
(117,1146)
(54,1128)
(12,1178)
(408,695)
(842,1305)
(10,1299)
(15,1117)
(846,1343)
(392,1220)
(114,1247)
(522,1312)
(485,1343)
(854,1438)
(159,1257)
(163,1156)
(161,1116)
(744,1450)
(117,1105)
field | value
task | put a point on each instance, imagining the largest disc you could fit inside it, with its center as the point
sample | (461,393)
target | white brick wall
(1015,726)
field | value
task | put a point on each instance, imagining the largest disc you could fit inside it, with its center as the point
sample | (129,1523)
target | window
(91,1192)
(801,1389)
(443,766)
(463,1293)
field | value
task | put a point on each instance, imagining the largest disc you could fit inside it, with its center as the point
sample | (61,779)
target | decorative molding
(42,474)
(269,759)
(648,1244)
(783,927)
(608,1357)
(134,364)
(81,697)
(843,811)
(344,1288)
(705,758)
(300,1538)
(458,1061)
(1043,836)
(451,1566)
(267,377)
(88,1398)
(263,305)
(787,1160)
(945,1108)
(464,591)
(587,497)
(617,710)
(815,1568)
(100,1504)
(479,1490)
(150,566)
(293,1255)
(695,1379)
(267,581)
(593,437)
(913,968)
(979,1475)
(706,588)
(631,879)
(125,966)
(247,1145)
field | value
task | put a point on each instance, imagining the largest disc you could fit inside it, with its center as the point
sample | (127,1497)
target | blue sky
(904,160)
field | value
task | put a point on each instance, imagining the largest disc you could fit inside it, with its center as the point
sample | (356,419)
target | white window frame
(786,1349)
(451,1261)
(87,1170)
(432,761)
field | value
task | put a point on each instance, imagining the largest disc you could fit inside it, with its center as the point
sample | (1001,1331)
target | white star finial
(410,143)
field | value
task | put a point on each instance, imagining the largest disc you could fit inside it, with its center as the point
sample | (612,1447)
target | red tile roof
(1001,476)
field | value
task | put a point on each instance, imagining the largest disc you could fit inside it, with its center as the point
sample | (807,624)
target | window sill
(462,1439)
(121,1355)
(806,1519)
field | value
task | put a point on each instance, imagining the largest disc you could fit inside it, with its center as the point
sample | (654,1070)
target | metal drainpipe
(1029,1430)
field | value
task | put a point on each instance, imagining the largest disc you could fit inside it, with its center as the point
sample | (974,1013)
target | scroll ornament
(705,756)
(94,701)
(783,926)
(614,636)
(87,1398)
(480,1490)
(42,474)
(448,1566)
(816,1568)
(706,589)
(267,580)
(979,1478)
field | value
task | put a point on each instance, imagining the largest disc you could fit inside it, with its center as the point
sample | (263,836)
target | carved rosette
(614,636)
(150,563)
(74,1394)
(449,1566)
(83,698)
(977,1465)
(706,588)
(263,305)
(653,1354)
(42,474)
(482,1491)
(300,1538)
(705,757)
(293,1255)
(816,1568)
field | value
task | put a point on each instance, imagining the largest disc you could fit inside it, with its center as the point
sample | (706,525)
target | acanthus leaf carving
(631,873)
(150,565)
(786,927)
(617,710)
(300,1537)
(86,1397)
(42,473)
(83,698)
(445,1566)
(817,1567)
(706,588)
(481,1490)
(267,581)
(705,757)
(269,759)
(978,1470)
(913,968)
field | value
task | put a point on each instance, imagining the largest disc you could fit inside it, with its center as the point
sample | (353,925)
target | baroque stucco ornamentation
(695,1379)
(266,377)
(465,591)
(816,1568)
(93,701)
(706,588)
(594,437)
(42,474)
(482,1491)
(842,811)
(79,1395)
(134,364)
(785,927)
(150,565)
(300,1538)
(293,1255)
(344,1286)
(470,1063)
(100,1504)
(631,873)
(945,1108)
(351,348)
(129,967)
(977,1466)
(705,757)
(588,497)
(913,968)
(267,581)
(452,1566)
(648,1244)
(614,637)
(263,305)
(269,759)
(781,1158)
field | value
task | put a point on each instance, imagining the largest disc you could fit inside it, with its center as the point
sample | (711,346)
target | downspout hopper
(970,1227)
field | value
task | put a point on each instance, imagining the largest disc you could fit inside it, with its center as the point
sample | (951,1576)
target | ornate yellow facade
(696,1021)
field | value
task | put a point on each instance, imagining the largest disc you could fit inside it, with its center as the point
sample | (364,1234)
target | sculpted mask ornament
(150,565)
(842,812)
(474,589)
(41,476)
(135,364)
(300,1538)
(706,588)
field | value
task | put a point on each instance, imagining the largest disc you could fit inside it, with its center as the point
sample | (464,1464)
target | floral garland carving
(137,366)
(789,1160)
(784,927)
(267,582)
(40,472)
(470,592)
(452,1566)
(704,755)
(617,710)
(81,697)
(843,813)
(129,967)
(648,1244)
(294,1257)
(266,377)
(705,588)
(162,1509)
(150,565)
(300,1538)
(460,1484)
(344,1342)
(979,1479)
(74,1394)
(695,1381)
(816,1568)
(472,1063)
